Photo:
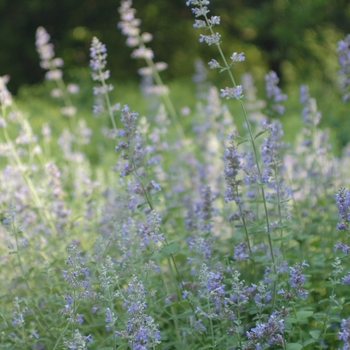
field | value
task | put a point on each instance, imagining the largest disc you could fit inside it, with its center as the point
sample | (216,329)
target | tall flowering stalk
(271,150)
(234,165)
(315,146)
(53,66)
(130,27)
(98,54)
(344,61)
(200,9)
(342,199)
(274,94)
(343,202)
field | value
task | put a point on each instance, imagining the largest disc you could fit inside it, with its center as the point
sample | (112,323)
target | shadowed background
(297,39)
(290,36)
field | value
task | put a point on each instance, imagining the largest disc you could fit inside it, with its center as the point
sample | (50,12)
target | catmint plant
(316,145)
(200,9)
(223,240)
(130,27)
(233,170)
(133,153)
(344,334)
(269,333)
(344,61)
(98,54)
(53,66)
(342,199)
(77,277)
(296,289)
(274,93)
(254,106)
(141,332)
(79,342)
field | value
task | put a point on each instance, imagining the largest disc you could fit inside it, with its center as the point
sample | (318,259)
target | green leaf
(315,334)
(139,206)
(121,347)
(240,142)
(291,320)
(294,346)
(171,248)
(273,277)
(208,346)
(258,134)
(303,315)
(185,315)
(308,342)
(158,255)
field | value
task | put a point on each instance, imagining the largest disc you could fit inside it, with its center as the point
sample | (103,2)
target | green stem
(108,102)
(111,307)
(300,334)
(324,328)
(279,209)
(247,238)
(226,65)
(166,99)
(211,325)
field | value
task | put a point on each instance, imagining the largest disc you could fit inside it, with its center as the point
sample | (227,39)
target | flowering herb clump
(150,231)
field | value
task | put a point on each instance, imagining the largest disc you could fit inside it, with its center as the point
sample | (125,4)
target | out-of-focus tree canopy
(294,37)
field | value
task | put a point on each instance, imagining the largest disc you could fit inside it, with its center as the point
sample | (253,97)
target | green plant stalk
(256,159)
(238,327)
(247,237)
(107,100)
(298,214)
(295,314)
(211,325)
(22,331)
(65,96)
(111,306)
(172,309)
(165,96)
(67,102)
(279,209)
(73,314)
(324,327)
(62,333)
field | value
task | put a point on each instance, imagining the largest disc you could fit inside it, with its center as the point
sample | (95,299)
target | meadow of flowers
(200,238)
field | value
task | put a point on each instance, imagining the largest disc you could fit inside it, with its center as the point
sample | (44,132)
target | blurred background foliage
(295,38)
